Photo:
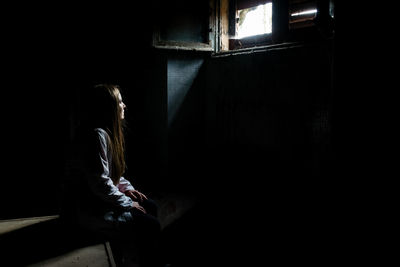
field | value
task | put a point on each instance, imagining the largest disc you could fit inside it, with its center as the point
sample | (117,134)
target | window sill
(186,47)
(265,48)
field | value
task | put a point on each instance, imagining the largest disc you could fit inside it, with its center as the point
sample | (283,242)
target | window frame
(226,12)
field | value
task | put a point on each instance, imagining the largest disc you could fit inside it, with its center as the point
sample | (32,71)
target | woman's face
(122,106)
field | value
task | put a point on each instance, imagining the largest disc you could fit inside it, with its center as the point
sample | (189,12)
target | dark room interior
(235,137)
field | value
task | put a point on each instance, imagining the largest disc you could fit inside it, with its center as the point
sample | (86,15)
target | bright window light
(254,21)
(302,13)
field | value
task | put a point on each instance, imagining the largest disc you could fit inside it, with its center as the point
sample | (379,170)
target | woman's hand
(136,206)
(136,195)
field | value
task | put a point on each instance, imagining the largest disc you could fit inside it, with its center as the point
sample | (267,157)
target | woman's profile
(97,196)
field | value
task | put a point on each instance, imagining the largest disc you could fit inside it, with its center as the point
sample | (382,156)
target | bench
(41,241)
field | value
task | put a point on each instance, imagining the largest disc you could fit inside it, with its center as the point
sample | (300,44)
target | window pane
(254,21)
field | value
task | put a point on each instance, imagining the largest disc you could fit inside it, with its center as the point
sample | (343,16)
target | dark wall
(269,116)
(183,22)
(253,139)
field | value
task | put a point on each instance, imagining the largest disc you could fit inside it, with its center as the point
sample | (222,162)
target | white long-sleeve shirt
(98,173)
(98,201)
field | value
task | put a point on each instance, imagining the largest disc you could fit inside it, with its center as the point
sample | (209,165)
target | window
(254,21)
(243,24)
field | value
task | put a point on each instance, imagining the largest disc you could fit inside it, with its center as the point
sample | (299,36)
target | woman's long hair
(103,111)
